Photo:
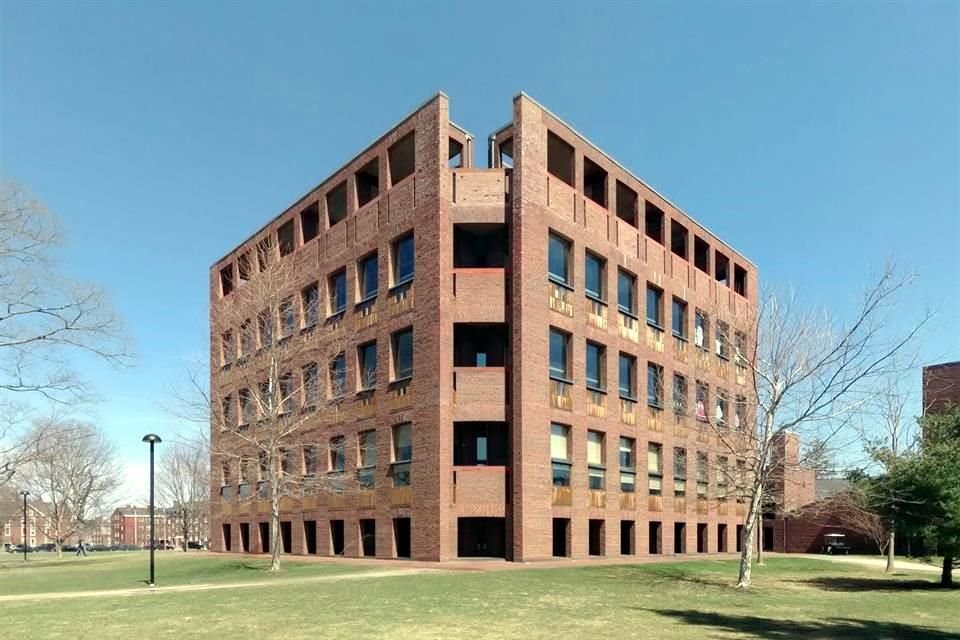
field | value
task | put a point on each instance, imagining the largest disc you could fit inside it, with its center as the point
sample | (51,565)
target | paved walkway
(871,561)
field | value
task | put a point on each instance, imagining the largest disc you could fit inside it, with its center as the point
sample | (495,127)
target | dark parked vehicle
(49,546)
(19,548)
(194,545)
(835,544)
(70,547)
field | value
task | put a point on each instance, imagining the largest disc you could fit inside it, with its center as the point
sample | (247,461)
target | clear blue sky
(816,138)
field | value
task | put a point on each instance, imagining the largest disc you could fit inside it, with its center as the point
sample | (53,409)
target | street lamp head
(152,438)
(24,493)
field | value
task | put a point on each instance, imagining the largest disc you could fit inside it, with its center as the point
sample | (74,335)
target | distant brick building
(11,525)
(941,386)
(544,391)
(131,525)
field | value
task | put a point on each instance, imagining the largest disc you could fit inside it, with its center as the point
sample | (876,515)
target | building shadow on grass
(824,629)
(847,584)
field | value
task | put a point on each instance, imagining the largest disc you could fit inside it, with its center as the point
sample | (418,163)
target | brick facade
(511,509)
(941,386)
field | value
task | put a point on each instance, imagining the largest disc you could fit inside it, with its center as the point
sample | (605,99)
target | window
(402,354)
(287,399)
(243,267)
(655,468)
(338,454)
(679,395)
(722,340)
(367,277)
(626,204)
(367,458)
(265,325)
(679,318)
(628,377)
(226,280)
(226,347)
(679,472)
(454,154)
(311,387)
(246,338)
(248,410)
(367,181)
(595,461)
(702,478)
(559,354)
(654,385)
(723,472)
(654,306)
(721,407)
(701,329)
(311,459)
(559,158)
(721,265)
(288,318)
(403,260)
(595,271)
(703,397)
(654,220)
(594,182)
(309,299)
(627,292)
(285,238)
(402,454)
(337,204)
(367,365)
(740,345)
(287,462)
(628,453)
(310,222)
(337,286)
(678,239)
(338,376)
(264,253)
(560,454)
(596,355)
(558,260)
(740,280)
(701,254)
(402,158)
(740,413)
(226,410)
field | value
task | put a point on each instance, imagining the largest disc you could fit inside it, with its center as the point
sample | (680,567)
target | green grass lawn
(793,598)
(43,572)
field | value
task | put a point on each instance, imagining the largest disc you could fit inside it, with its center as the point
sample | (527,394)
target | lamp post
(152,439)
(24,541)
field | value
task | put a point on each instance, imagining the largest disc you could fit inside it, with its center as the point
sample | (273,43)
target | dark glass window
(338,376)
(559,259)
(559,343)
(403,354)
(627,293)
(403,260)
(367,361)
(338,292)
(594,276)
(309,298)
(595,377)
(628,377)
(654,306)
(367,272)
(654,385)
(679,318)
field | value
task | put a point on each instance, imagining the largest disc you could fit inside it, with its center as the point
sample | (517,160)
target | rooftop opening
(243,267)
(480,443)
(337,204)
(310,222)
(722,266)
(454,154)
(678,239)
(626,204)
(559,158)
(701,254)
(285,238)
(477,246)
(479,345)
(506,153)
(367,180)
(594,182)
(226,280)
(740,280)
(402,156)
(264,253)
(653,222)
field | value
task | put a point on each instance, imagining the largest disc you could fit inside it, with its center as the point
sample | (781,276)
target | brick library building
(535,349)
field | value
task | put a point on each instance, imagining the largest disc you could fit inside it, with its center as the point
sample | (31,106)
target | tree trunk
(749,535)
(946,578)
(59,546)
(186,529)
(891,539)
(275,532)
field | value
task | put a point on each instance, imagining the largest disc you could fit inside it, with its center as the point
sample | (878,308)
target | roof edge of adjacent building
(524,94)
(941,365)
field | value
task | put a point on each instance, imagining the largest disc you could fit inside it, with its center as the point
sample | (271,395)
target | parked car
(49,546)
(70,548)
(194,545)
(19,548)
(835,544)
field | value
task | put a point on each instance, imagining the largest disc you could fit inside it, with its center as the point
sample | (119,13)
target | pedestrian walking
(81,549)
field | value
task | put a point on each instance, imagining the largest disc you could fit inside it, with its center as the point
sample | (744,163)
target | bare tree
(282,378)
(183,483)
(807,373)
(73,471)
(44,318)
